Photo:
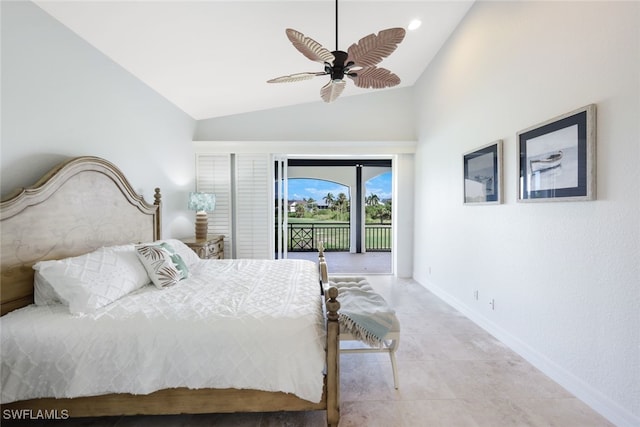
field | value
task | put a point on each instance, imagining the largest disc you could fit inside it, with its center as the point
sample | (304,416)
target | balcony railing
(335,237)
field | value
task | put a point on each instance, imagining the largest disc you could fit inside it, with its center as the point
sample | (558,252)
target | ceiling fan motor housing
(338,70)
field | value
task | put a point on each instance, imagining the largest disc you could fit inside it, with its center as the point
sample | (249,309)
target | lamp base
(202,225)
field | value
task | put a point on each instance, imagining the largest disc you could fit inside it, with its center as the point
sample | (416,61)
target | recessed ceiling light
(415,24)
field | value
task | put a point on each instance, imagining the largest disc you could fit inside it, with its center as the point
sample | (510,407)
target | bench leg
(392,355)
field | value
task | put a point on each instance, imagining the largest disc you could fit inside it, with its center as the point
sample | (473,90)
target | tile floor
(348,263)
(452,374)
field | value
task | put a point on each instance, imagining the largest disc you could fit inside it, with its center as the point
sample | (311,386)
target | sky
(303,188)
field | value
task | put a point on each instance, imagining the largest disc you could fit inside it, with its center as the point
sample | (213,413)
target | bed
(86,206)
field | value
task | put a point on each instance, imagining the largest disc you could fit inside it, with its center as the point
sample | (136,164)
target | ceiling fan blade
(295,77)
(374,78)
(332,90)
(372,49)
(309,47)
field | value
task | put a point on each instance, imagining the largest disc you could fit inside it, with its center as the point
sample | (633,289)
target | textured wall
(565,276)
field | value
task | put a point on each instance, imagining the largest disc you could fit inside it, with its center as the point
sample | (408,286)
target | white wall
(62,98)
(403,210)
(379,116)
(565,276)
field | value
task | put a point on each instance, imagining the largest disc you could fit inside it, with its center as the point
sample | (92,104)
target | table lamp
(202,203)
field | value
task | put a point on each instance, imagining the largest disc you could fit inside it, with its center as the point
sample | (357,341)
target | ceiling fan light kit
(358,62)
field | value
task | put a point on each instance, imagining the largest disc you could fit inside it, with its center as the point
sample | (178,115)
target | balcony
(336,236)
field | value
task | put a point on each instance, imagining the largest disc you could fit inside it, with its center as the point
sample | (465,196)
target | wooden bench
(391,339)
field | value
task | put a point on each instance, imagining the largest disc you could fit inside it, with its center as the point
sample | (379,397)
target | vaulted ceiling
(212,58)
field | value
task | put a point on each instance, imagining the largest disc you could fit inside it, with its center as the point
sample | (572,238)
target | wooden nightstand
(212,248)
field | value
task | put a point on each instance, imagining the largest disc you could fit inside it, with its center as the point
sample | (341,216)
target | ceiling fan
(358,62)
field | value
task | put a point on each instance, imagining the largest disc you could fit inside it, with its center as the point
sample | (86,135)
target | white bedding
(233,324)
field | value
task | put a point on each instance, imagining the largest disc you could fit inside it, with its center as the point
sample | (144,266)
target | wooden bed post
(158,219)
(322,263)
(333,358)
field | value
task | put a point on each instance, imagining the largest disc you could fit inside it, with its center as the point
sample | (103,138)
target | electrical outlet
(492,303)
(475,295)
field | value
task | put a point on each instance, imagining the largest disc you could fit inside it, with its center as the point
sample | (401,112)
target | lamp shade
(202,202)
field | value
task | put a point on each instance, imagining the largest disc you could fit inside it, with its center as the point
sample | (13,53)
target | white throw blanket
(363,312)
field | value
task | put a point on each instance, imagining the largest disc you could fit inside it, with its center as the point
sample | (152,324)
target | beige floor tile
(371,414)
(367,382)
(435,413)
(567,412)
(493,412)
(421,380)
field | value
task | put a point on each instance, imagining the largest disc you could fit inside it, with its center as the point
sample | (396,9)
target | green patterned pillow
(164,266)
(177,260)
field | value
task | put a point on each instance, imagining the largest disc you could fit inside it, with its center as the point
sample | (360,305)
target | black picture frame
(483,175)
(556,159)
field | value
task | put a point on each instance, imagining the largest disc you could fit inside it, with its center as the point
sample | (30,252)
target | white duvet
(233,324)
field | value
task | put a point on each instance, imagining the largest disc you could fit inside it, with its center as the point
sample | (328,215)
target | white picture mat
(566,174)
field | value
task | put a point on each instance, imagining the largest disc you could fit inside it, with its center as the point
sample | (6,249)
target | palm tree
(372,200)
(342,203)
(329,199)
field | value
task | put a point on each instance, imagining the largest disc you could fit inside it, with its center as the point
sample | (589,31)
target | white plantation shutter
(244,201)
(213,174)
(253,206)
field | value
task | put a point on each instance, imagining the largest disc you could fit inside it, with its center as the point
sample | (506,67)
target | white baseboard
(600,403)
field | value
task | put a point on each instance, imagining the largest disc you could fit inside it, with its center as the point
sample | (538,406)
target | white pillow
(164,266)
(186,253)
(88,282)
(43,292)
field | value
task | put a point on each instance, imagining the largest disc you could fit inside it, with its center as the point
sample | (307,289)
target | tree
(311,205)
(300,209)
(329,199)
(380,211)
(372,200)
(342,205)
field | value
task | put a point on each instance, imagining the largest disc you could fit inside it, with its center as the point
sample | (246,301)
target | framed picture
(483,174)
(556,159)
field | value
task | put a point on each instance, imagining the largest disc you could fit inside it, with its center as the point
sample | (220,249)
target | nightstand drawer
(217,249)
(212,248)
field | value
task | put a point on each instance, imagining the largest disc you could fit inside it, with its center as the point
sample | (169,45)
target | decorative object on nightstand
(202,203)
(212,247)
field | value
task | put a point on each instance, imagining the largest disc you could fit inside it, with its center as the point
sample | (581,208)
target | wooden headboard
(80,205)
